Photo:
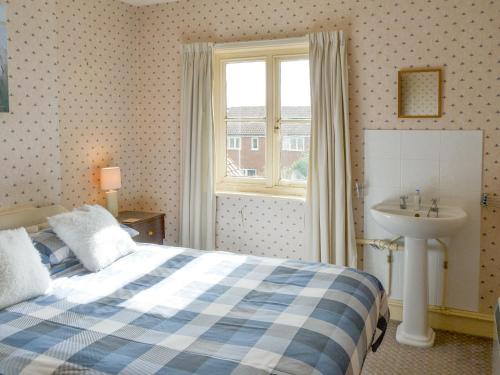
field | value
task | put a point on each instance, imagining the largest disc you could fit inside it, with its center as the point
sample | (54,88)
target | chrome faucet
(433,208)
(402,202)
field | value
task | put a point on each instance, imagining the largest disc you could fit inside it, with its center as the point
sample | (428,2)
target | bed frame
(28,216)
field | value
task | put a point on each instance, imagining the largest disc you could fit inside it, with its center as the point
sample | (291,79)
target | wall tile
(383,145)
(420,145)
(462,145)
(383,172)
(420,174)
(462,176)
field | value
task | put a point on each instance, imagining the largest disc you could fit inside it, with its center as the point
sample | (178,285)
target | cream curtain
(330,232)
(197,211)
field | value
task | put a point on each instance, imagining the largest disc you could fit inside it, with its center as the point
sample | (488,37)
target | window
(255,144)
(249,172)
(263,119)
(233,143)
(291,143)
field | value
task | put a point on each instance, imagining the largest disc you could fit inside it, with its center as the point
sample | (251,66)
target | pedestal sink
(417,228)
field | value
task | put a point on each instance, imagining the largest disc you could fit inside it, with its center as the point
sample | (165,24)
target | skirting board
(446,319)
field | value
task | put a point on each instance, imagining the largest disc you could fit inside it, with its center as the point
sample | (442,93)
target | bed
(170,310)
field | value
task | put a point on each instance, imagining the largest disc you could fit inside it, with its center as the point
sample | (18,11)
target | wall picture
(419,93)
(4,76)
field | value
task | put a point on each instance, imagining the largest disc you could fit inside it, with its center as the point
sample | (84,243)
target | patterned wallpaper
(73,79)
(263,226)
(384,37)
(29,136)
(97,82)
(98,47)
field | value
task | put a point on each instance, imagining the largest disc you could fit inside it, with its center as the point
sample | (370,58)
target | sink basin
(416,224)
(417,228)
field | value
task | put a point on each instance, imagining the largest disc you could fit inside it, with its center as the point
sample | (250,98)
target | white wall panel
(442,164)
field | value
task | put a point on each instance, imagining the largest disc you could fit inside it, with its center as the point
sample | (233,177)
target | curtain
(197,209)
(330,233)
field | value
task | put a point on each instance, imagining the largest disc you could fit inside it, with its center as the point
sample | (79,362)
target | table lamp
(111,180)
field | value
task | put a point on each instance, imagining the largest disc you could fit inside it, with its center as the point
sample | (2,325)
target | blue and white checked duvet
(180,311)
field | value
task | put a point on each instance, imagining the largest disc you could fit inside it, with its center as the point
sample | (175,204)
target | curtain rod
(262,43)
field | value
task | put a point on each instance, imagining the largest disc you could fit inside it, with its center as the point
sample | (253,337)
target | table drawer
(150,231)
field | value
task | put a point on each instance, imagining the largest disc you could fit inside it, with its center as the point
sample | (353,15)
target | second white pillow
(94,235)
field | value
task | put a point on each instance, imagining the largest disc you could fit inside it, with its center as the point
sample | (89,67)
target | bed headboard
(27,216)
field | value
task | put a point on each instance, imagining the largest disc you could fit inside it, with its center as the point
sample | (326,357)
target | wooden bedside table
(150,225)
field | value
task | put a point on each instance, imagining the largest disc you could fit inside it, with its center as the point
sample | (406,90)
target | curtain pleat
(330,231)
(197,211)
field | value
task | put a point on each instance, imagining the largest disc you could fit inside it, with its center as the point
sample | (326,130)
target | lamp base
(112,202)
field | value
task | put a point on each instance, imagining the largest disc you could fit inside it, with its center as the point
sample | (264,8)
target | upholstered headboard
(27,216)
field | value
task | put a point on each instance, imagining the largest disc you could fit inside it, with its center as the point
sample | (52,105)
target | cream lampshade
(111,180)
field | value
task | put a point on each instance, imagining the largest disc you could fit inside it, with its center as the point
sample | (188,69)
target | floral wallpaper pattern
(29,133)
(97,54)
(98,83)
(262,226)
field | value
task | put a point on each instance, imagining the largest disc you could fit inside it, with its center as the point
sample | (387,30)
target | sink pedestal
(414,329)
(416,227)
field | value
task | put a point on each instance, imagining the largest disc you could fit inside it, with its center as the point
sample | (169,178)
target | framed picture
(419,93)
(4,75)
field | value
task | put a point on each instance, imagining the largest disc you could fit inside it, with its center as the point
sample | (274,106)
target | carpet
(452,354)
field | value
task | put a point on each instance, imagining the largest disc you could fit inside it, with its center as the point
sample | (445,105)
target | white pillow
(22,274)
(94,235)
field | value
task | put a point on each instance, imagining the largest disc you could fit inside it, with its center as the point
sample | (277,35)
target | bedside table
(150,225)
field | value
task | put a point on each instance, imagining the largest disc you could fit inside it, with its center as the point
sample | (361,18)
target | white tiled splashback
(442,164)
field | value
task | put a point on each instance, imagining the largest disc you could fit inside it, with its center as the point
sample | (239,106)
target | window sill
(260,194)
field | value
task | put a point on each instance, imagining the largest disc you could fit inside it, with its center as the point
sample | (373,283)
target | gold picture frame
(420,93)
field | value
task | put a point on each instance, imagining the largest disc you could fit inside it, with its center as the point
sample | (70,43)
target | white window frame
(233,147)
(256,148)
(272,182)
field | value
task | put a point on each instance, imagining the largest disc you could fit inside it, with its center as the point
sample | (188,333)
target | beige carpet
(452,354)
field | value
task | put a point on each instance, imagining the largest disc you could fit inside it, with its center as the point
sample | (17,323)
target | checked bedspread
(168,310)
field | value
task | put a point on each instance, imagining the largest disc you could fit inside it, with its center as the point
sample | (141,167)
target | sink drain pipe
(444,247)
(394,245)
(390,246)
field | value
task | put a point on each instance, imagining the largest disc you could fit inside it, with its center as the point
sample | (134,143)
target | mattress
(168,310)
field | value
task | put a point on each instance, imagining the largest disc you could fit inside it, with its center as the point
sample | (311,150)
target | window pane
(294,159)
(246,89)
(255,143)
(233,143)
(242,158)
(295,89)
